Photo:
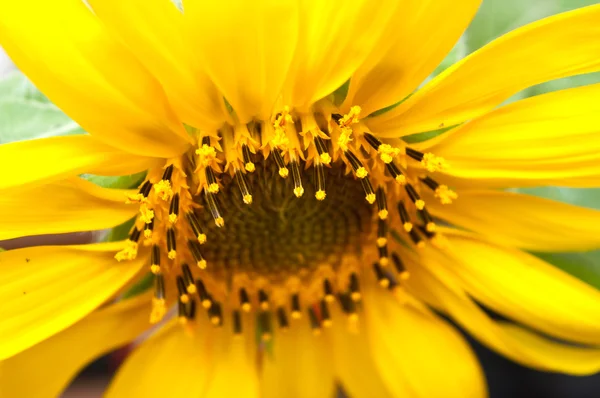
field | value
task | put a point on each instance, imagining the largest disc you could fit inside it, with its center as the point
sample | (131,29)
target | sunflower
(294,238)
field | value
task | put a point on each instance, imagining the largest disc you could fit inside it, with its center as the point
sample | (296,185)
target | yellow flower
(335,269)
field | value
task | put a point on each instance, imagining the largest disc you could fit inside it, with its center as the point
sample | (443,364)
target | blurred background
(25,113)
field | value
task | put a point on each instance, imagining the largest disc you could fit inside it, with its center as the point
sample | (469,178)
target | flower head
(273,215)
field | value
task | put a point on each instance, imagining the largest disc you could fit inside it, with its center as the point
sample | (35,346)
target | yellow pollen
(284,172)
(430,227)
(184,298)
(344,138)
(246,307)
(408,226)
(163,190)
(155,269)
(361,172)
(172,254)
(401,179)
(202,239)
(327,323)
(351,117)
(385,282)
(206,304)
(250,167)
(148,233)
(219,222)
(207,155)
(445,195)
(404,275)
(353,317)
(355,296)
(213,188)
(387,152)
(325,158)
(298,191)
(280,140)
(215,320)
(247,199)
(320,194)
(191,289)
(316,332)
(135,198)
(420,204)
(384,261)
(381,242)
(266,337)
(421,244)
(296,315)
(172,218)
(371,198)
(129,252)
(434,163)
(182,320)
(330,298)
(146,214)
(383,214)
(201,264)
(158,311)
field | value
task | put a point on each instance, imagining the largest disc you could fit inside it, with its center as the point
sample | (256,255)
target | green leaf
(120,182)
(120,232)
(140,287)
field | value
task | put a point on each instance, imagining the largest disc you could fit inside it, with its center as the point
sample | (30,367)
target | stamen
(131,246)
(404,217)
(142,194)
(195,225)
(163,187)
(213,185)
(283,171)
(314,321)
(183,296)
(416,155)
(296,312)
(205,299)
(188,279)
(159,308)
(146,213)
(372,140)
(245,300)
(282,319)
(244,188)
(381,277)
(190,310)
(381,204)
(197,253)
(427,220)
(431,162)
(148,229)
(215,314)
(320,179)
(324,155)
(214,209)
(155,260)
(382,231)
(328,290)
(356,165)
(368,188)
(325,314)
(265,325)
(414,196)
(414,236)
(263,300)
(206,153)
(248,165)
(298,189)
(354,287)
(348,305)
(400,268)
(428,234)
(237,322)
(396,173)
(174,209)
(171,244)
(384,260)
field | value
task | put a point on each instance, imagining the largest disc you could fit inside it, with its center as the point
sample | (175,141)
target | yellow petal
(548,139)
(518,344)
(416,40)
(174,362)
(526,289)
(412,347)
(45,369)
(68,206)
(336,36)
(90,75)
(246,49)
(48,288)
(35,162)
(154,32)
(299,366)
(523,221)
(563,45)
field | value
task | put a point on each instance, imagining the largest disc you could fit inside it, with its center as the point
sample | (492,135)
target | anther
(384,259)
(314,321)
(325,314)
(206,140)
(163,187)
(414,196)
(237,322)
(196,228)
(416,155)
(283,171)
(368,188)
(214,209)
(244,187)
(134,236)
(155,260)
(263,300)
(426,232)
(427,220)
(356,165)
(399,265)
(372,140)
(190,310)
(282,319)
(145,189)
(381,277)
(188,278)
(328,291)
(414,236)
(404,217)
(211,180)
(320,180)
(296,313)
(197,253)
(129,252)
(354,287)
(159,287)
(441,192)
(215,314)
(381,204)
(248,164)
(430,182)
(183,295)
(382,231)
(148,229)
(171,244)
(159,308)
(174,209)
(348,305)
(205,299)
(298,189)
(396,173)
(324,155)
(245,300)
(265,325)
(336,117)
